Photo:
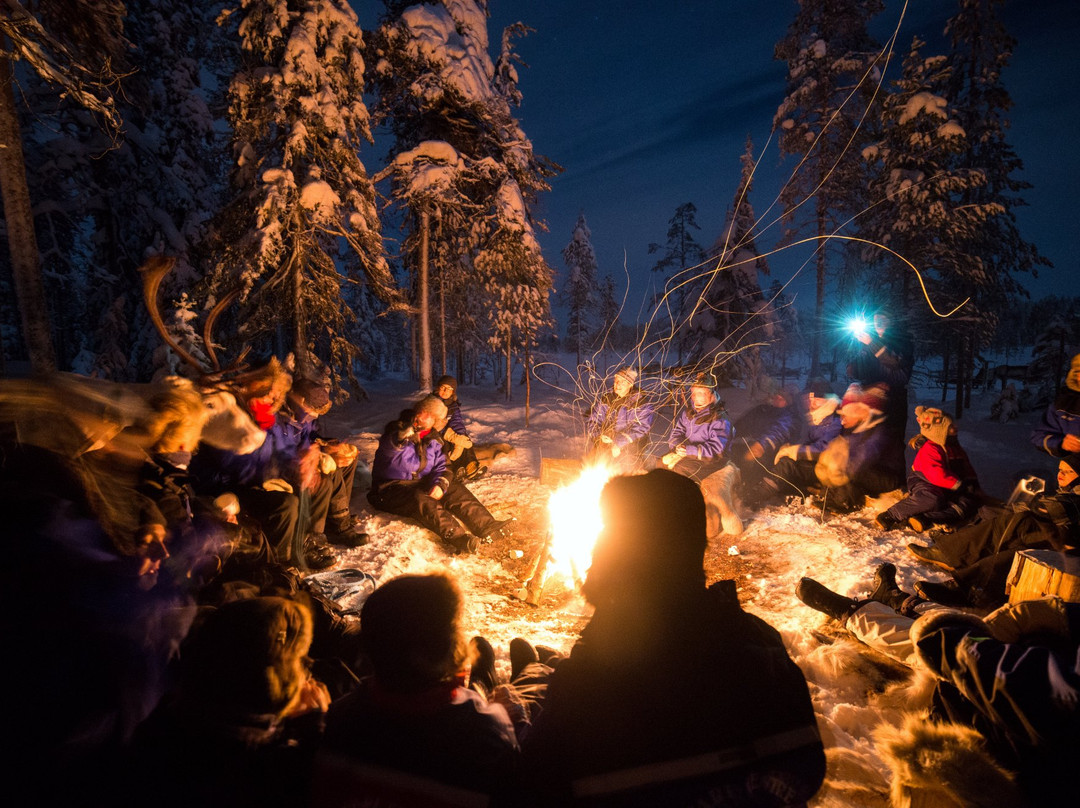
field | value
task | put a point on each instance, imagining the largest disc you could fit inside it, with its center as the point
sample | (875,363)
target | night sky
(647,105)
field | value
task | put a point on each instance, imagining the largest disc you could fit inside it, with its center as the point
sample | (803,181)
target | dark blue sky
(647,105)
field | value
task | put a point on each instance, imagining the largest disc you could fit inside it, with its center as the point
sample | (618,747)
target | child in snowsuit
(460,455)
(942,484)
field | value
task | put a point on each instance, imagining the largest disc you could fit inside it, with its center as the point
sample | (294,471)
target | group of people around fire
(210,672)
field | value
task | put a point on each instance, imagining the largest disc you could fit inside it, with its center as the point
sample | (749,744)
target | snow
(854,689)
(465,63)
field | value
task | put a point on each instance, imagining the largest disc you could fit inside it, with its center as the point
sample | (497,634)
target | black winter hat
(819,387)
(449,381)
(1072,461)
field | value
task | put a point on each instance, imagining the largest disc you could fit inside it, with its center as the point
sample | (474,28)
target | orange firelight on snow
(574,511)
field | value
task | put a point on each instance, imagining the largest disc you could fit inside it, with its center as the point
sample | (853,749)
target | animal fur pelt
(486,452)
(943,765)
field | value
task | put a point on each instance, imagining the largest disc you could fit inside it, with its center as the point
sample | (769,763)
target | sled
(1040,573)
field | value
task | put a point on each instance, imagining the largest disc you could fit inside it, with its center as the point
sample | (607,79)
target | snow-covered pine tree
(580,293)
(914,189)
(302,192)
(980,49)
(609,309)
(74,45)
(681,255)
(435,81)
(831,78)
(728,316)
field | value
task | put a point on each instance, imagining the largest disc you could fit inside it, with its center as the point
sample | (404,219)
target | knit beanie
(629,374)
(449,381)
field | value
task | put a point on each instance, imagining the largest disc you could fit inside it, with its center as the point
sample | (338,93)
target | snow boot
(463,543)
(885,589)
(822,599)
(482,673)
(886,522)
(521,654)
(949,593)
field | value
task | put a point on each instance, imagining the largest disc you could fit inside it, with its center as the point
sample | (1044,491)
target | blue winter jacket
(286,441)
(405,456)
(704,434)
(625,419)
(1062,418)
(819,435)
(770,426)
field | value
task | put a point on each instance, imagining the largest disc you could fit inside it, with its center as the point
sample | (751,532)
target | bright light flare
(574,511)
(857,325)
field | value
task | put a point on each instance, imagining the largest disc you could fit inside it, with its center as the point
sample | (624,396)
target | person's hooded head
(653,541)
(1068,475)
(1072,378)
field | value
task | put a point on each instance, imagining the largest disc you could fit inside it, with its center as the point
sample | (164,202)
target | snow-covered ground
(854,689)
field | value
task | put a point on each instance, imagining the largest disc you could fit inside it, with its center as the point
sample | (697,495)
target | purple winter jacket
(404,456)
(624,420)
(704,434)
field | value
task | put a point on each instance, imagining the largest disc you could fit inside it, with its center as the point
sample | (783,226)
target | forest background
(370,198)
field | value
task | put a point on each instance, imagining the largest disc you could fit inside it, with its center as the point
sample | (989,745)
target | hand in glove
(670,459)
(615,450)
(437,492)
(790,450)
(606,439)
(327,464)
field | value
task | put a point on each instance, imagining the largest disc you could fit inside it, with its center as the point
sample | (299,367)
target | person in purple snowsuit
(1059,432)
(618,427)
(409,477)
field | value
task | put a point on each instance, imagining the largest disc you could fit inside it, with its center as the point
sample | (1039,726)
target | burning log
(533,589)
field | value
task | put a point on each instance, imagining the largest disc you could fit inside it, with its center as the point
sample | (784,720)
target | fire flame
(574,511)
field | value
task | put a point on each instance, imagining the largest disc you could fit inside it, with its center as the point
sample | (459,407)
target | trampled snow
(854,689)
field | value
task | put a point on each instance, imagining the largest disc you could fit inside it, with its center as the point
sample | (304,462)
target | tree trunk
(442,324)
(945,357)
(509,370)
(425,313)
(528,380)
(22,242)
(961,354)
(299,317)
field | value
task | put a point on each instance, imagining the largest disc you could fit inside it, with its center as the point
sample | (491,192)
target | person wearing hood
(856,463)
(793,464)
(980,556)
(761,431)
(942,485)
(410,477)
(699,450)
(617,429)
(1059,432)
(460,454)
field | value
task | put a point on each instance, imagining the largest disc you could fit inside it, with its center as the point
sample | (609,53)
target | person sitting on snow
(460,455)
(856,463)
(980,556)
(796,461)
(413,713)
(669,672)
(699,450)
(617,430)
(942,486)
(1011,675)
(761,431)
(1059,432)
(409,477)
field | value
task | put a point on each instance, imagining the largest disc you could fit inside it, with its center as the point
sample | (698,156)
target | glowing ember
(575,520)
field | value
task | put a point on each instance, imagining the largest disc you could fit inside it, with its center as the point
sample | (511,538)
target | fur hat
(431,404)
(653,540)
(629,374)
(312,394)
(248,657)
(449,381)
(934,423)
(873,397)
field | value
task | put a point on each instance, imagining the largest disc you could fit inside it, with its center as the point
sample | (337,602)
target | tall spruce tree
(681,255)
(302,192)
(980,49)
(831,78)
(580,293)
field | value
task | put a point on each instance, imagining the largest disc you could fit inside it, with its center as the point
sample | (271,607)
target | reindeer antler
(154,271)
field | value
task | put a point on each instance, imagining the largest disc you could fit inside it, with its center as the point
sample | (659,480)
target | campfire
(574,523)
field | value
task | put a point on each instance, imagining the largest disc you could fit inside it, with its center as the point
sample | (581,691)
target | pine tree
(728,315)
(302,192)
(681,254)
(72,45)
(980,50)
(436,84)
(581,290)
(831,79)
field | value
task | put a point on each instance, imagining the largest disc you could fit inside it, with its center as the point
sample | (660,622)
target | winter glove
(670,459)
(606,439)
(437,492)
(277,484)
(615,450)
(327,464)
(459,442)
(791,451)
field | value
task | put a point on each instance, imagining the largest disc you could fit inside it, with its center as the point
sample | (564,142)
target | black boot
(949,593)
(521,654)
(818,597)
(886,522)
(885,589)
(482,674)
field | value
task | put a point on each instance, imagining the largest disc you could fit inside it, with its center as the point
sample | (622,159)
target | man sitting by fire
(409,477)
(618,426)
(698,450)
